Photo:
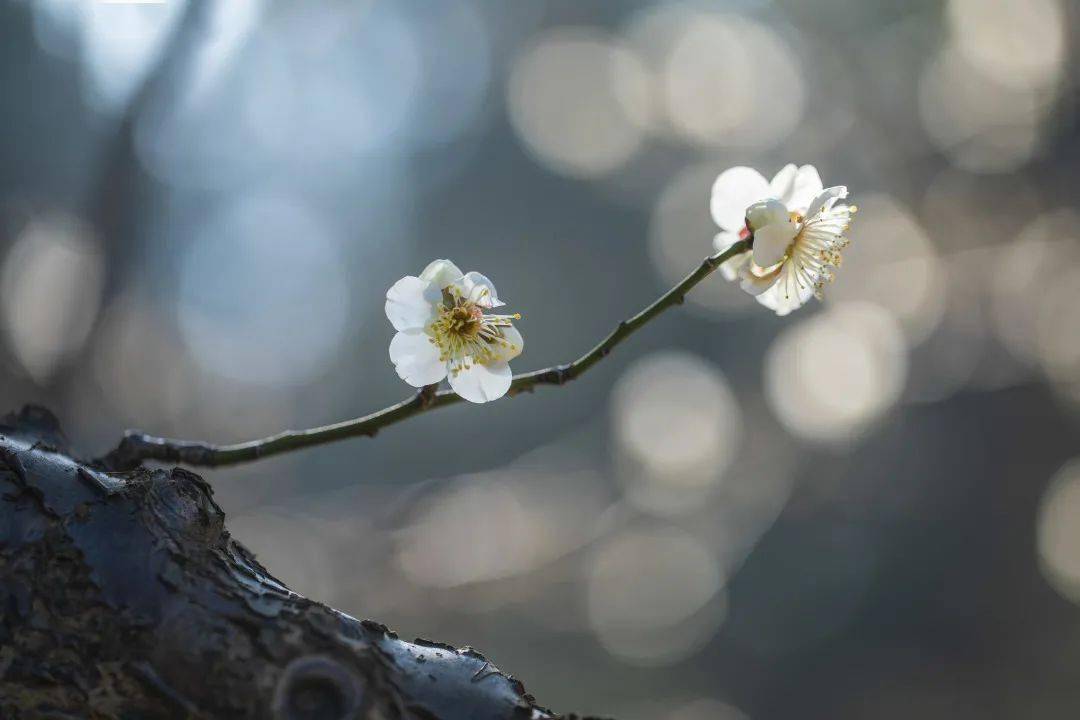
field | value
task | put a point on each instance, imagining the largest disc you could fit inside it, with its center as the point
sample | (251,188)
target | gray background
(865,509)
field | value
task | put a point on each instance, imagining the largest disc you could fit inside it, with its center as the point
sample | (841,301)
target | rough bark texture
(124,596)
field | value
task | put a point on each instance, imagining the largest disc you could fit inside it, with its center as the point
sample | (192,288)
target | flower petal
(771,242)
(441,273)
(766,212)
(407,305)
(804,187)
(480,290)
(826,199)
(416,358)
(782,183)
(736,189)
(756,283)
(730,267)
(724,240)
(481,383)
(787,293)
(513,346)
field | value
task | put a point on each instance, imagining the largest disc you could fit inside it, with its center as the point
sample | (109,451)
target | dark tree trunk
(124,596)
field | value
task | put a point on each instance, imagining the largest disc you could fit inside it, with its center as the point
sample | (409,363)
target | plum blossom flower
(795,224)
(443,331)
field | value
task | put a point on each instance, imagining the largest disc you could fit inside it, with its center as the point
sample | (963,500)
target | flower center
(462,331)
(797,218)
(464,320)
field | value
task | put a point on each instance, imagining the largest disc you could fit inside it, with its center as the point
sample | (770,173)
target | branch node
(425,396)
(562,373)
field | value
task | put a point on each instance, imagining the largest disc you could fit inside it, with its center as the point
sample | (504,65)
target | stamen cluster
(464,335)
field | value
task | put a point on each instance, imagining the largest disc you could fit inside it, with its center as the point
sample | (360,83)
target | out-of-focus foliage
(866,509)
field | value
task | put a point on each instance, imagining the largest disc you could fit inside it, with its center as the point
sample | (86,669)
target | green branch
(137,446)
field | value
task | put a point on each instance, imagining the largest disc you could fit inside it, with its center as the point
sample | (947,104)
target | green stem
(136,446)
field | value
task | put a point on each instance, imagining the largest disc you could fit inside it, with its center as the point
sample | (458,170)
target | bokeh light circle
(321,100)
(1059,531)
(1028,270)
(679,423)
(263,295)
(1020,43)
(981,124)
(731,81)
(654,595)
(893,263)
(1057,331)
(50,292)
(829,377)
(140,365)
(578,100)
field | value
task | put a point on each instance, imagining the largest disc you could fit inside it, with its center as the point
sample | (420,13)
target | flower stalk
(137,446)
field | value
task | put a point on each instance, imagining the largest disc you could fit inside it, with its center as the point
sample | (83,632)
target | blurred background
(869,509)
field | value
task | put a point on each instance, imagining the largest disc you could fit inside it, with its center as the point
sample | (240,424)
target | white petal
(416,358)
(735,190)
(724,240)
(441,273)
(766,212)
(407,306)
(786,294)
(480,290)
(482,383)
(804,187)
(771,242)
(826,199)
(755,283)
(514,344)
(783,182)
(730,267)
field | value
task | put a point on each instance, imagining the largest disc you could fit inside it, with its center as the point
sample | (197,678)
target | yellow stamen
(464,334)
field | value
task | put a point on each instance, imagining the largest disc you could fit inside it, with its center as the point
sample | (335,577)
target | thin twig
(136,446)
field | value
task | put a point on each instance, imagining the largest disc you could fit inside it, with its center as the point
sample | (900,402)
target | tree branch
(137,446)
(125,596)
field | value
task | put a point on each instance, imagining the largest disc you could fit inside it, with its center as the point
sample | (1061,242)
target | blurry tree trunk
(124,596)
(124,191)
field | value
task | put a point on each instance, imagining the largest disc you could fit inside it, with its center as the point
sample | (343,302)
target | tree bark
(124,596)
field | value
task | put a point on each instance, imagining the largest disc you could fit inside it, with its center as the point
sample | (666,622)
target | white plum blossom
(796,227)
(443,331)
